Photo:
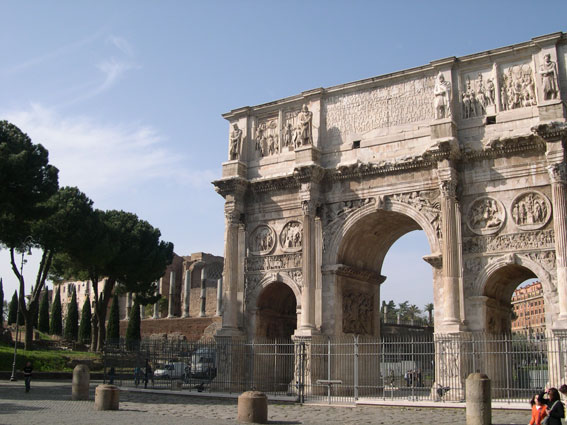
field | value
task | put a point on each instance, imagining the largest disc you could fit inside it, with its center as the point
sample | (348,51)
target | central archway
(276,312)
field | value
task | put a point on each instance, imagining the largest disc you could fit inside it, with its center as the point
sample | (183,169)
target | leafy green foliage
(113,328)
(13,309)
(56,325)
(72,319)
(1,303)
(43,320)
(45,360)
(85,325)
(133,332)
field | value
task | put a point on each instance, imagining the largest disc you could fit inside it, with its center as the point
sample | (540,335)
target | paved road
(50,403)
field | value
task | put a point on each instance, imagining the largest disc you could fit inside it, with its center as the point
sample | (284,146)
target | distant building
(194,294)
(529,308)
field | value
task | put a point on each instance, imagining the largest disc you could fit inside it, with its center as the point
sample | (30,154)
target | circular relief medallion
(531,210)
(486,216)
(262,240)
(291,236)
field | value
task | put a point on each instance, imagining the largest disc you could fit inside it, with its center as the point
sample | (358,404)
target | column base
(451,326)
(306,332)
(560,324)
(229,332)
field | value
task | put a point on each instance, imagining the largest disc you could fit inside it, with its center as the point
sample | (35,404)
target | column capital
(448,188)
(558,172)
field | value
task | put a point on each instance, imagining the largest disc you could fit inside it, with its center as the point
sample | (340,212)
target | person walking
(27,375)
(539,409)
(556,410)
(149,374)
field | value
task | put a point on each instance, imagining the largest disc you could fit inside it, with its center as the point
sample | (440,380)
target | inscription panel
(362,111)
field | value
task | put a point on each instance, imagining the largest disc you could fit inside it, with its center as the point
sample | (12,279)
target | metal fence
(345,369)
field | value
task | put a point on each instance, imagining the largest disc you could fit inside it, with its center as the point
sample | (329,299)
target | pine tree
(56,325)
(133,333)
(72,320)
(1,303)
(113,327)
(85,325)
(13,309)
(43,321)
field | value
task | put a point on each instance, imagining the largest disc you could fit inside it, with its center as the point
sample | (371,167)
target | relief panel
(262,240)
(478,94)
(267,137)
(358,313)
(517,87)
(531,210)
(485,216)
(291,236)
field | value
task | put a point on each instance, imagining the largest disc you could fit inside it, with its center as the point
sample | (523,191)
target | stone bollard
(107,397)
(253,407)
(81,382)
(479,409)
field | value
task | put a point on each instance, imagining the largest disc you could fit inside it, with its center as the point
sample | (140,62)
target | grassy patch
(42,360)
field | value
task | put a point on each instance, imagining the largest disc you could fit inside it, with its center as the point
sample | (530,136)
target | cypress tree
(85,325)
(56,325)
(1,303)
(13,309)
(43,321)
(113,327)
(72,320)
(133,333)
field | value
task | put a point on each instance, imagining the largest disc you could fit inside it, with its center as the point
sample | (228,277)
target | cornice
(360,169)
(551,131)
(230,186)
(505,146)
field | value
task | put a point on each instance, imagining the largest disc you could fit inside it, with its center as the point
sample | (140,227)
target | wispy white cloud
(52,54)
(122,44)
(106,159)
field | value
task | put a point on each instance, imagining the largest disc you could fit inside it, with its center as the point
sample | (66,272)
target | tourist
(563,392)
(556,410)
(111,375)
(27,375)
(149,375)
(137,374)
(539,409)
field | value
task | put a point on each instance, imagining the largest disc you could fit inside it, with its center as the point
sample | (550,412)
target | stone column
(219,297)
(186,293)
(449,216)
(307,325)
(202,312)
(558,175)
(156,305)
(171,297)
(230,316)
(128,305)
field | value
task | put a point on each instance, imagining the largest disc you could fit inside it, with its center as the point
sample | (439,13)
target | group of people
(547,407)
(413,378)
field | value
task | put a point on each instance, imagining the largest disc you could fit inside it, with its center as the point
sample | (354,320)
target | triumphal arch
(319,185)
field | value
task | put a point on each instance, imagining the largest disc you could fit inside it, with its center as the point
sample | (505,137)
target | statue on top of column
(548,72)
(235,140)
(442,102)
(305,126)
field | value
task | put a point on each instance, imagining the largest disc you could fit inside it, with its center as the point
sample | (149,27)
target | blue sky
(127,96)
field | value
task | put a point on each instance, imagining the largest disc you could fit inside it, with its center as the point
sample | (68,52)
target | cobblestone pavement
(50,403)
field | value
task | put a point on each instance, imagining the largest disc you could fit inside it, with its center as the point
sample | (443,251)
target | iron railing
(345,369)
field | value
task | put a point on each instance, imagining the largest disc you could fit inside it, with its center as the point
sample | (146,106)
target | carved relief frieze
(251,282)
(296,276)
(546,259)
(478,94)
(517,88)
(342,210)
(291,236)
(267,136)
(262,240)
(396,104)
(425,201)
(358,312)
(274,262)
(531,210)
(485,216)
(511,242)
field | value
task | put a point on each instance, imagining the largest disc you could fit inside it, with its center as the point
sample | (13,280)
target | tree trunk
(101,307)
(94,332)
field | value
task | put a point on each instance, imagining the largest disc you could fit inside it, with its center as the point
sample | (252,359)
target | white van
(173,370)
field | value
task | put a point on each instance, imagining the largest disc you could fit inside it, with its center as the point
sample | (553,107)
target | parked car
(173,370)
(203,363)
